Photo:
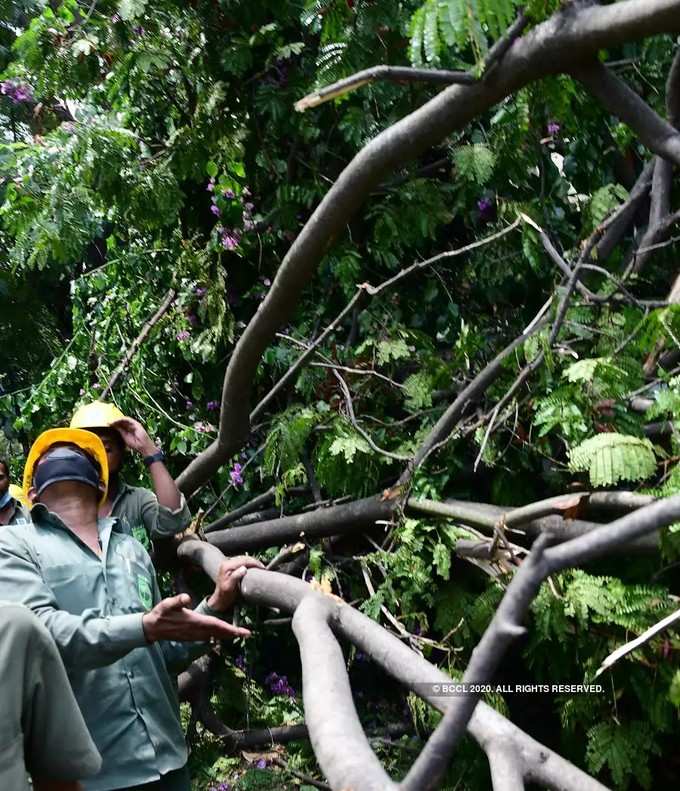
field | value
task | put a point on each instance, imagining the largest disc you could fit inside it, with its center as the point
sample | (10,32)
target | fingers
(174,603)
(242,560)
(209,626)
(125,423)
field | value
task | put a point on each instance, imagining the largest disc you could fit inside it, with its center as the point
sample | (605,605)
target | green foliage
(625,749)
(457,23)
(185,166)
(611,457)
(602,202)
(475,162)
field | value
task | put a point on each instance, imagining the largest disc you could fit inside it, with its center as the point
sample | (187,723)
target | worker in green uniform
(12,510)
(94,587)
(148,515)
(42,732)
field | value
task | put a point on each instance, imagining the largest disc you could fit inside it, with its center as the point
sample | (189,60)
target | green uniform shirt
(20,514)
(41,729)
(143,517)
(93,608)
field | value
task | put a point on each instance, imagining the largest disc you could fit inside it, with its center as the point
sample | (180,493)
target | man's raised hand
(171,619)
(135,436)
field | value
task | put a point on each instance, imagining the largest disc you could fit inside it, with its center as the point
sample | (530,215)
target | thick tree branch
(339,742)
(315,524)
(574,34)
(613,93)
(487,726)
(506,625)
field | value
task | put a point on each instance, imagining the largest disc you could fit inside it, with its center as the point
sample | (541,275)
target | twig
(308,779)
(614,657)
(388,73)
(138,341)
(364,434)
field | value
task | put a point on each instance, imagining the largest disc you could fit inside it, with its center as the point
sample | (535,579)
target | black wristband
(157,456)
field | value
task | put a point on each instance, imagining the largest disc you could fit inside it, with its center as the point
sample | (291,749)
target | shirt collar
(40,515)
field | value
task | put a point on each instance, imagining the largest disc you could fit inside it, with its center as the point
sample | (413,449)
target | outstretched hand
(135,436)
(228,582)
(171,619)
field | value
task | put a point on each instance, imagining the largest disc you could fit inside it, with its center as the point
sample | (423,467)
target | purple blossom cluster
(261,764)
(212,406)
(16,91)
(278,685)
(485,207)
(183,335)
(553,128)
(235,475)
(221,787)
(230,238)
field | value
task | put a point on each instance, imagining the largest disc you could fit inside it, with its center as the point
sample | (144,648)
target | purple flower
(553,128)
(138,30)
(16,92)
(248,225)
(485,206)
(240,662)
(230,240)
(210,186)
(250,207)
(200,291)
(261,764)
(190,404)
(229,194)
(22,94)
(192,319)
(115,18)
(211,406)
(278,685)
(215,209)
(235,475)
(184,335)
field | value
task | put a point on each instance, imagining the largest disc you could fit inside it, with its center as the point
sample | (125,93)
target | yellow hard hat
(17,493)
(98,414)
(85,440)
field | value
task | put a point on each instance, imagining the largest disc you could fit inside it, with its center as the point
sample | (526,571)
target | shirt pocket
(75,586)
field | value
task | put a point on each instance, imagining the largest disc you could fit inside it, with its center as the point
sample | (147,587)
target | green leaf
(418,391)
(582,371)
(349,446)
(674,691)
(474,163)
(441,557)
(392,350)
(613,457)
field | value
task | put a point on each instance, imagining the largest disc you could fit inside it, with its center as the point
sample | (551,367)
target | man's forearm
(164,486)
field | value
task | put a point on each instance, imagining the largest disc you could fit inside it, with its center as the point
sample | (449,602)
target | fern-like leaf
(475,162)
(610,458)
